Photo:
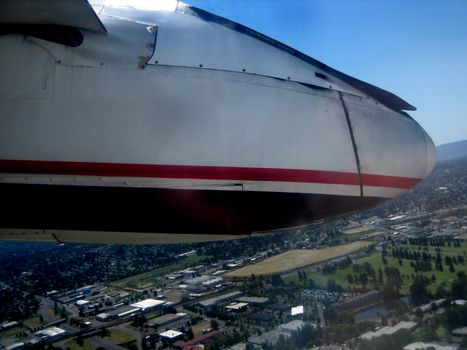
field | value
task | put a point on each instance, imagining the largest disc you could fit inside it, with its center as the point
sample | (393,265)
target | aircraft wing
(70,13)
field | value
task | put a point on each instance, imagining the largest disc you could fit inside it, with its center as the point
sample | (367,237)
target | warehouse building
(213,302)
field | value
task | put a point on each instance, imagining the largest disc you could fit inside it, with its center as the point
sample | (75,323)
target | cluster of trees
(421,261)
(420,294)
(66,267)
(302,277)
(391,289)
(419,291)
(329,269)
(365,274)
(433,242)
(16,305)
(459,286)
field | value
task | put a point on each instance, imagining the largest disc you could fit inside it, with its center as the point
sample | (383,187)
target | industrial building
(148,304)
(49,333)
(357,301)
(430,346)
(171,335)
(254,300)
(292,326)
(235,307)
(204,339)
(213,302)
(271,337)
(166,319)
(122,311)
(389,330)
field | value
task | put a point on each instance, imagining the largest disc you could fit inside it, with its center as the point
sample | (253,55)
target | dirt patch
(295,259)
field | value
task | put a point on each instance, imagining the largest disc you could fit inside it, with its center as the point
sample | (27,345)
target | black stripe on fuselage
(166,210)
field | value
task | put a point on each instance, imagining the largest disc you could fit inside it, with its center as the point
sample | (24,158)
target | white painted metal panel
(389,143)
(189,41)
(148,124)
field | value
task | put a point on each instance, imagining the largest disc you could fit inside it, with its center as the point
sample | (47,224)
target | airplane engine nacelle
(170,126)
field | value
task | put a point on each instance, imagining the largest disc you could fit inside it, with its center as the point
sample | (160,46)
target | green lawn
(374,259)
(73,345)
(13,332)
(118,336)
(151,278)
(33,322)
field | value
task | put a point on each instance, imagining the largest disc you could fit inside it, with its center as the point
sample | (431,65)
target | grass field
(443,278)
(33,322)
(295,259)
(73,345)
(118,336)
(151,278)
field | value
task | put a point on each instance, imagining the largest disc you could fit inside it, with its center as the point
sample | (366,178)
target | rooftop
(50,332)
(254,300)
(388,330)
(220,298)
(460,332)
(197,340)
(291,326)
(430,346)
(171,334)
(296,310)
(167,318)
(236,306)
(148,303)
(271,337)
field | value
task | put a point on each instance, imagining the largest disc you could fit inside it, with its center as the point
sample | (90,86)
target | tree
(459,286)
(300,277)
(214,324)
(419,291)
(190,334)
(276,280)
(80,340)
(440,292)
(310,284)
(63,312)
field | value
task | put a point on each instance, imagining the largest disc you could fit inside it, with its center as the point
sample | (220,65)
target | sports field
(295,259)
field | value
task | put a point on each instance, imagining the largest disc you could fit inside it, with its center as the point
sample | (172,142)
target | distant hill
(452,150)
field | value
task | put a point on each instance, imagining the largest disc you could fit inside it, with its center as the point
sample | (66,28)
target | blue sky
(416,49)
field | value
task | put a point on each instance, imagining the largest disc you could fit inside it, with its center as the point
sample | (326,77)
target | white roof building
(171,334)
(291,326)
(147,304)
(15,346)
(430,346)
(388,330)
(236,306)
(296,310)
(50,332)
(82,302)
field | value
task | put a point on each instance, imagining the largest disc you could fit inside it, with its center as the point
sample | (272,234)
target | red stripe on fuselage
(202,173)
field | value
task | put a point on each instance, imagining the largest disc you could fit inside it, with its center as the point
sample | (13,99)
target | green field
(118,336)
(73,345)
(442,278)
(152,278)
